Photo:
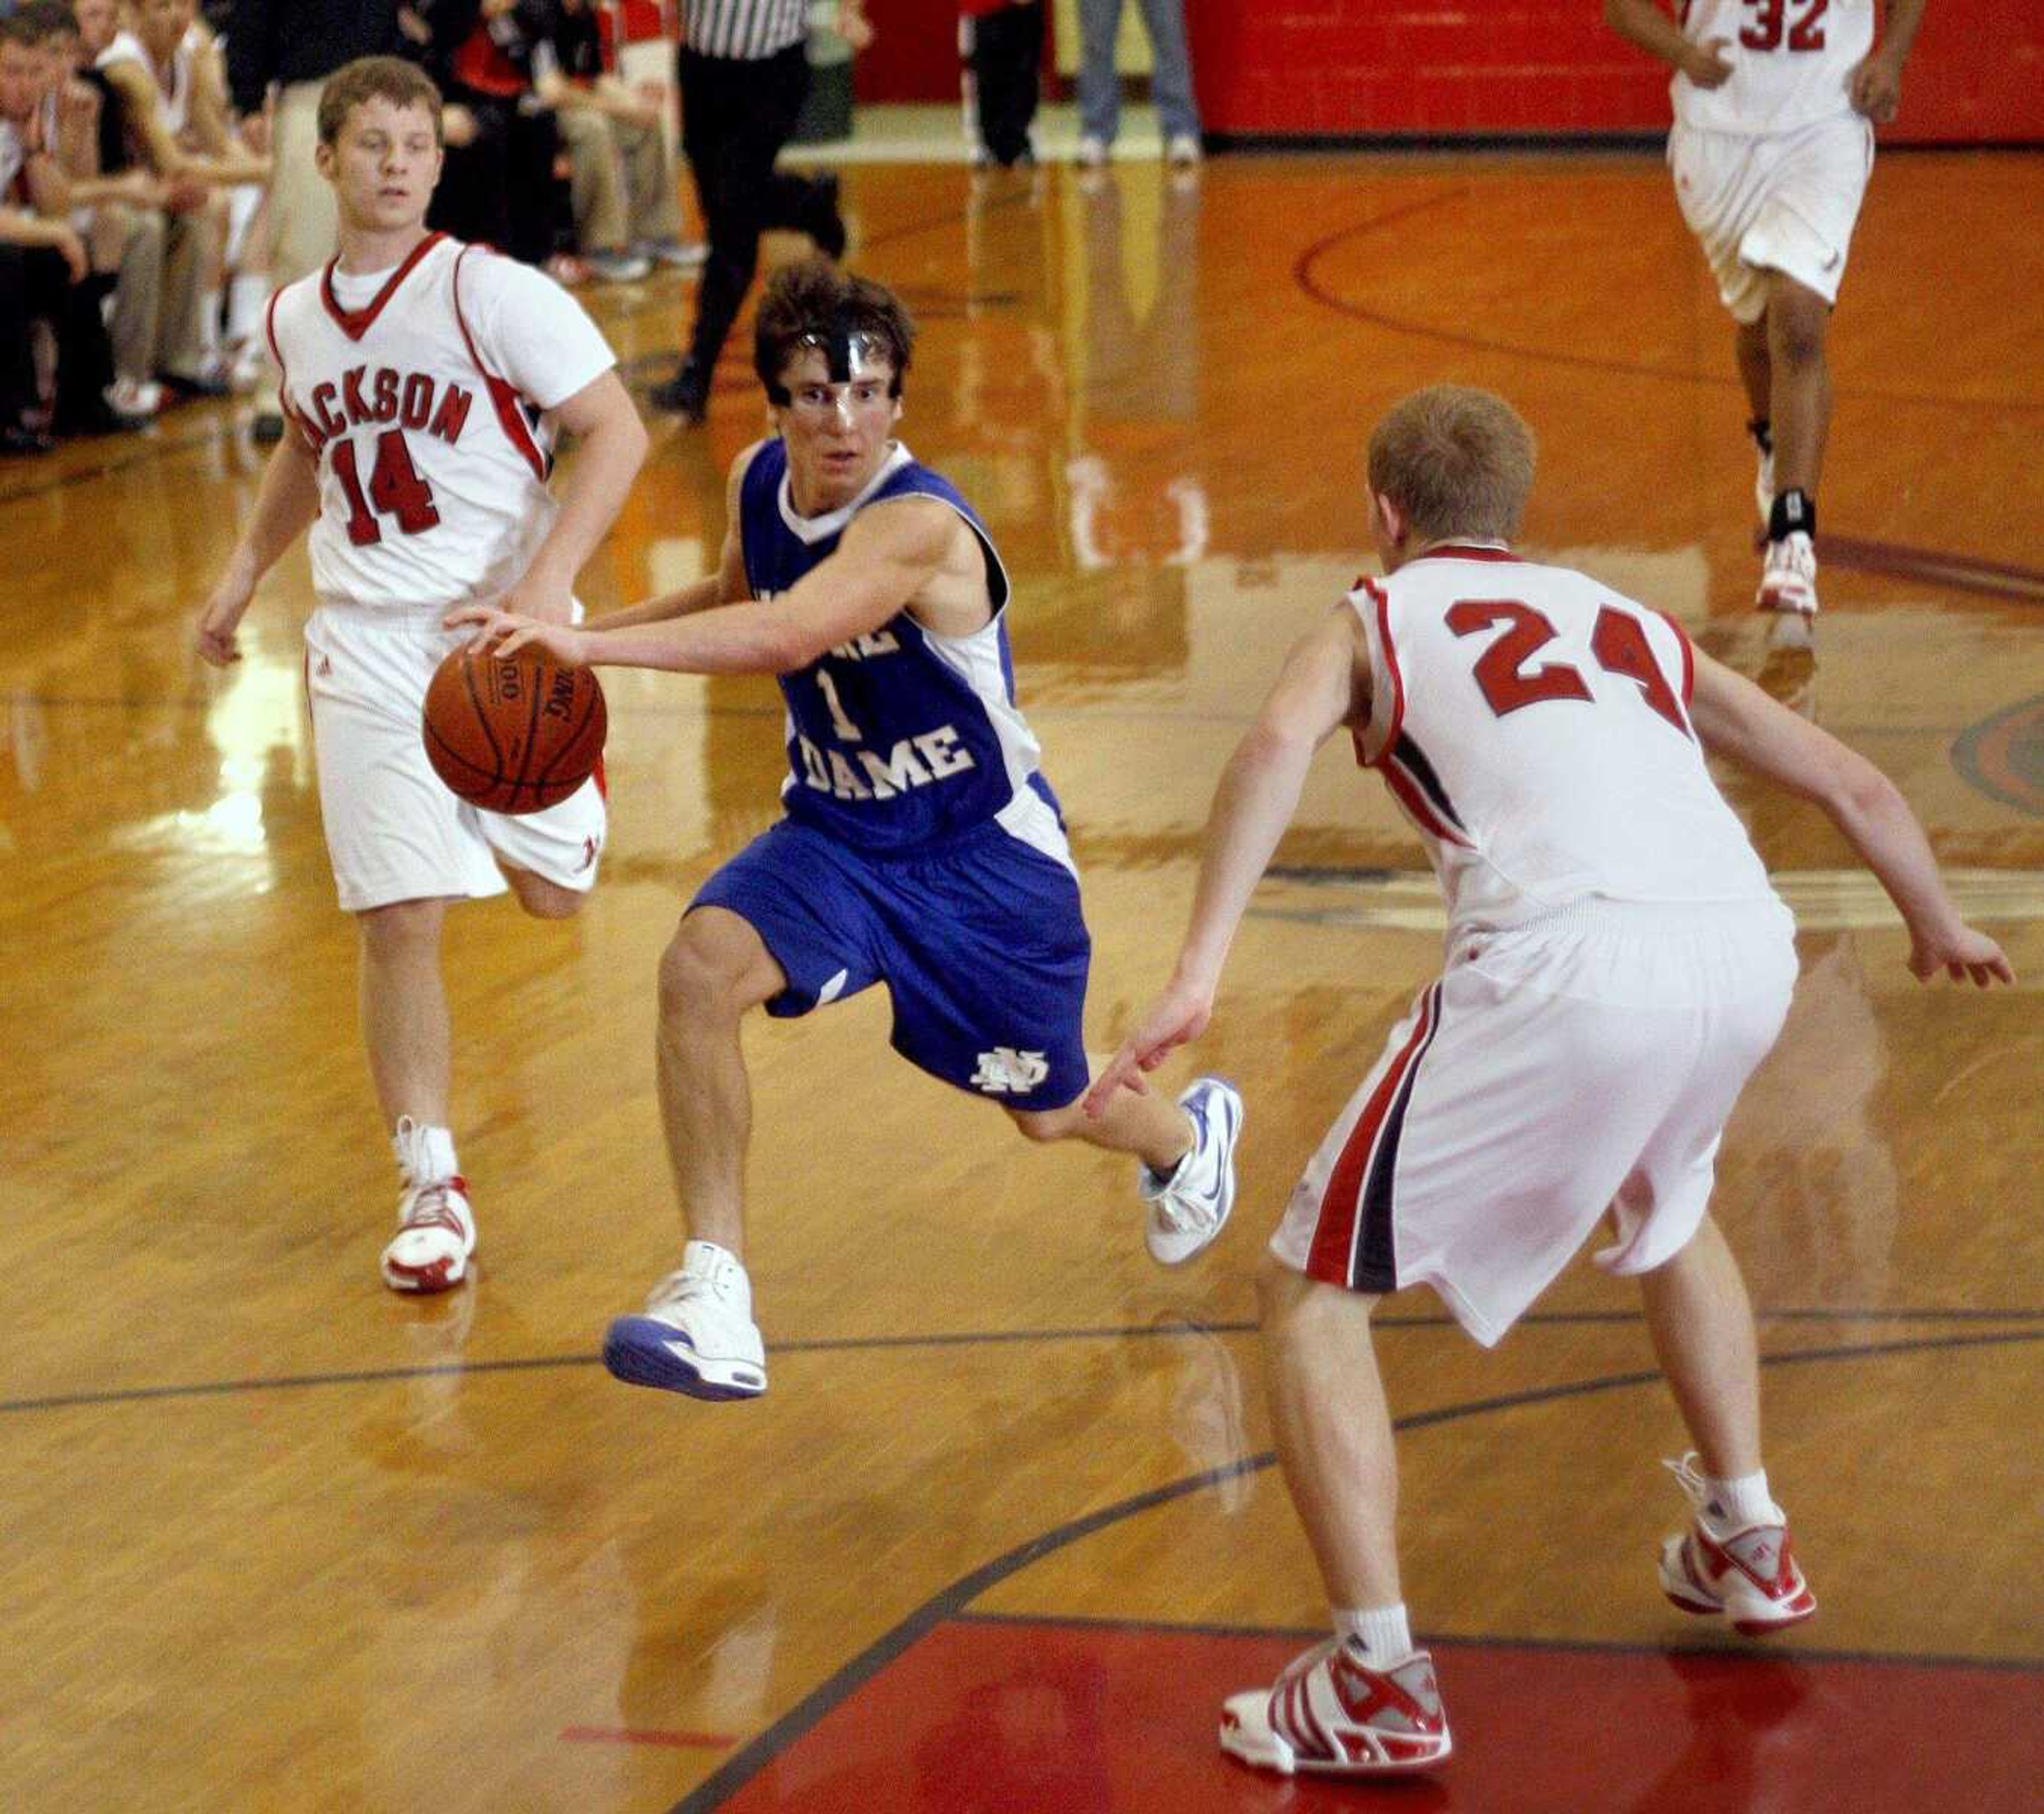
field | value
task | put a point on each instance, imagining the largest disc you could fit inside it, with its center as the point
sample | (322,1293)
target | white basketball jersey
(426,406)
(1534,725)
(1790,61)
(173,88)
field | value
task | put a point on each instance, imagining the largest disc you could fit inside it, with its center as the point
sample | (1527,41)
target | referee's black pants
(736,116)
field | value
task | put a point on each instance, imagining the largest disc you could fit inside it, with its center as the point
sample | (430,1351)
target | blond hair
(375,79)
(1458,462)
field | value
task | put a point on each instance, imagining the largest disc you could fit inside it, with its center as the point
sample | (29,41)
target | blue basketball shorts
(982,944)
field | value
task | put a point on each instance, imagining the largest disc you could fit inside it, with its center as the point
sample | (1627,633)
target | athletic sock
(1734,1505)
(1381,1633)
(1795,512)
(425,1155)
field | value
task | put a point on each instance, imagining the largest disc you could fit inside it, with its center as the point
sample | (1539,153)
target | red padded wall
(1356,67)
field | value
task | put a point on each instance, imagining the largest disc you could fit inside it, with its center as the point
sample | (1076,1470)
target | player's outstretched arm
(602,416)
(887,556)
(1321,687)
(285,507)
(1737,720)
(1644,23)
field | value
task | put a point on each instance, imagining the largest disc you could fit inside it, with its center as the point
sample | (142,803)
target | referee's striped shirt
(745,30)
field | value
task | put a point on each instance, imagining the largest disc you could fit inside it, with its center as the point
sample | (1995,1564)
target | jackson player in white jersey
(423,380)
(1617,965)
(1775,103)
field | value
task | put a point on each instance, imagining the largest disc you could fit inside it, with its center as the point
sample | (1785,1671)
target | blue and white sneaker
(696,1336)
(1188,1208)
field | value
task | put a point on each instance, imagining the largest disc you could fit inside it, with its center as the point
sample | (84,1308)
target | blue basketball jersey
(901,738)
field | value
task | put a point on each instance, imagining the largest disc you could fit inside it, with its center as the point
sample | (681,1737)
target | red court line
(979,1717)
(631,1735)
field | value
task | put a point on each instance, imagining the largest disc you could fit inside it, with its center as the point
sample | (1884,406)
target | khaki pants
(304,222)
(620,181)
(129,240)
(187,327)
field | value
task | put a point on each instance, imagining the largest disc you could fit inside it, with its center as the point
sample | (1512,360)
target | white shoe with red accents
(435,1237)
(1746,1573)
(1331,1713)
(1788,587)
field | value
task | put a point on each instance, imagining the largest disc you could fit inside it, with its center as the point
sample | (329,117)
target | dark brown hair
(813,299)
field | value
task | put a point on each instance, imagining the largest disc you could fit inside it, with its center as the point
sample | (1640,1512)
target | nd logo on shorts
(1005,1071)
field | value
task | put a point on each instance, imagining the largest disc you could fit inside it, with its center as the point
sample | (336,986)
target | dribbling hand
(500,633)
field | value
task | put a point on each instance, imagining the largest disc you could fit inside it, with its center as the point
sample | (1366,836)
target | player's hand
(458,125)
(1706,65)
(1875,87)
(255,133)
(500,633)
(217,623)
(1961,952)
(1179,1014)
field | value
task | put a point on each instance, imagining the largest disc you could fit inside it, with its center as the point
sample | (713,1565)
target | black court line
(950,1602)
(1305,278)
(1171,1329)
(1451,1641)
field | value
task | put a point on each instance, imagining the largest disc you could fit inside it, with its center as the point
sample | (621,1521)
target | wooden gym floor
(1005,1527)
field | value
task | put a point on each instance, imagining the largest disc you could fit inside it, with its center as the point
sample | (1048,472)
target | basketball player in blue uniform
(922,847)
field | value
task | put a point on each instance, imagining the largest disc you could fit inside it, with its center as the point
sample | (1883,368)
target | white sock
(209,332)
(1734,1504)
(1380,1633)
(425,1155)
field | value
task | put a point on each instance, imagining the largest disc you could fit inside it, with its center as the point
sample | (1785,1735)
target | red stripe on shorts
(1332,1256)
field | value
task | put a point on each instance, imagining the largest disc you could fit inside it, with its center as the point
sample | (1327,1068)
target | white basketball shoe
(1789,588)
(1331,1712)
(1188,1208)
(1746,1573)
(435,1237)
(696,1336)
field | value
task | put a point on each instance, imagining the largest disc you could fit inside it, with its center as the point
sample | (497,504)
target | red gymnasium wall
(1362,68)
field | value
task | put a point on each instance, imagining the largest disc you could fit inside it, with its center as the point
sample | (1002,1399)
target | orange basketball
(514,734)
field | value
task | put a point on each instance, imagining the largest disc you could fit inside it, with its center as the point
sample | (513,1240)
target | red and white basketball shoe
(435,1237)
(1331,1712)
(1789,588)
(1745,1573)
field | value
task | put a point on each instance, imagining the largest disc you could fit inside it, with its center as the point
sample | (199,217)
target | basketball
(514,734)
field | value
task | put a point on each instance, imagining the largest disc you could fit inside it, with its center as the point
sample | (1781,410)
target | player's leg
(1701,1323)
(406,1029)
(1800,392)
(1365,1689)
(541,898)
(780,925)
(715,971)
(697,1334)
(1736,1559)
(1156,1130)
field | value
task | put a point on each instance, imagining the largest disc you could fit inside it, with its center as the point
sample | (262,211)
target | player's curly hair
(1458,461)
(375,79)
(816,301)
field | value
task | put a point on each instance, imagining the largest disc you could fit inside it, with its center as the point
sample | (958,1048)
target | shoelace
(441,1213)
(1689,1477)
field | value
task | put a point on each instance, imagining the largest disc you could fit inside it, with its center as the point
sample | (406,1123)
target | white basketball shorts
(1785,201)
(394,832)
(1584,1063)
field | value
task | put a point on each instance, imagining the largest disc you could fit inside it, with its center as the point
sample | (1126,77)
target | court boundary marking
(949,1603)
(1307,281)
(1174,1328)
